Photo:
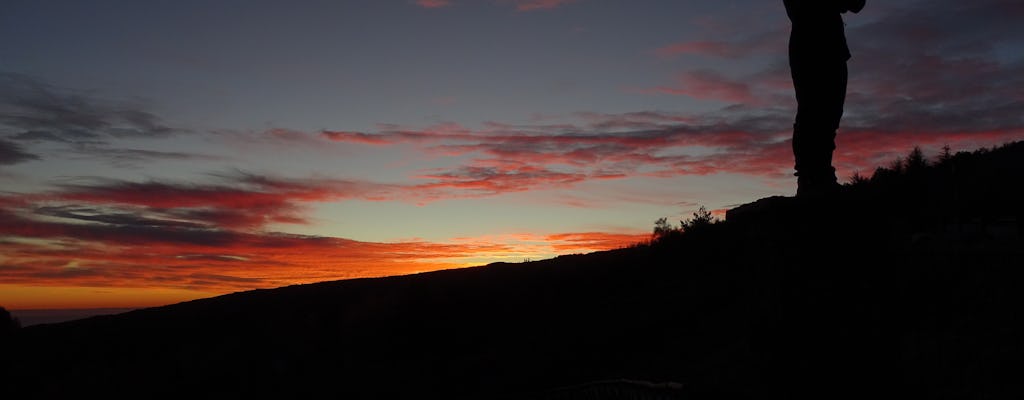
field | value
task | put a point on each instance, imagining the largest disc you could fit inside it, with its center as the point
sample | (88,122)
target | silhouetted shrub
(701,221)
(857,179)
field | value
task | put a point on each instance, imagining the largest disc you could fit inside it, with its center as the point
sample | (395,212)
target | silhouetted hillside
(908,284)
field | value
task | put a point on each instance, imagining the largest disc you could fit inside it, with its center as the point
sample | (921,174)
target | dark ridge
(50,316)
(905,285)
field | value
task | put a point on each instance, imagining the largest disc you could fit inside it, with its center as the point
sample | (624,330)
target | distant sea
(36,317)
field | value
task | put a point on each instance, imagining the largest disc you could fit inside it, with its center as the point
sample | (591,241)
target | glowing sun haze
(154,152)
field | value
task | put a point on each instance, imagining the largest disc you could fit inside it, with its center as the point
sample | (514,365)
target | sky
(161,151)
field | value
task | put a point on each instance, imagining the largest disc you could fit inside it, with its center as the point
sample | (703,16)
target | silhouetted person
(817,62)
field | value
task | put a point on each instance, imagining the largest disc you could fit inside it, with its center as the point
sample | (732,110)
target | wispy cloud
(13,153)
(34,113)
(33,110)
(125,158)
(749,139)
(532,5)
(473,181)
(600,146)
(932,76)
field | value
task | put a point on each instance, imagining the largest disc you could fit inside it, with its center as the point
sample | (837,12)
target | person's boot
(813,155)
(817,184)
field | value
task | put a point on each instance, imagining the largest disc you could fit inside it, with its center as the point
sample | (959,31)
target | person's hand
(851,5)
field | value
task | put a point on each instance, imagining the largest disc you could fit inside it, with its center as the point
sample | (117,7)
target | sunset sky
(158,151)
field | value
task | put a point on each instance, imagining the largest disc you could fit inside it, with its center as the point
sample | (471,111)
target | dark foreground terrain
(908,285)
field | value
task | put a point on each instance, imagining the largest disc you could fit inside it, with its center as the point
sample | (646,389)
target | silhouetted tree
(702,218)
(662,228)
(915,161)
(858,179)
(896,166)
(945,156)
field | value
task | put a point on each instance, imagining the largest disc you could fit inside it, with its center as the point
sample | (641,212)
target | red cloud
(518,158)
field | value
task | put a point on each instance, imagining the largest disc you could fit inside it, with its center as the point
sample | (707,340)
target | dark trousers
(820,94)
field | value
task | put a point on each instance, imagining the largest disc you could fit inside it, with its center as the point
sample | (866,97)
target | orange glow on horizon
(17,297)
(64,273)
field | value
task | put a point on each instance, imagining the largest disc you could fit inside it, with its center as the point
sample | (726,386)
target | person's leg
(820,92)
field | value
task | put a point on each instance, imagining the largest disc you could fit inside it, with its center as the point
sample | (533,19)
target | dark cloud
(235,200)
(943,27)
(939,67)
(506,178)
(236,204)
(119,217)
(12,153)
(33,110)
(135,233)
